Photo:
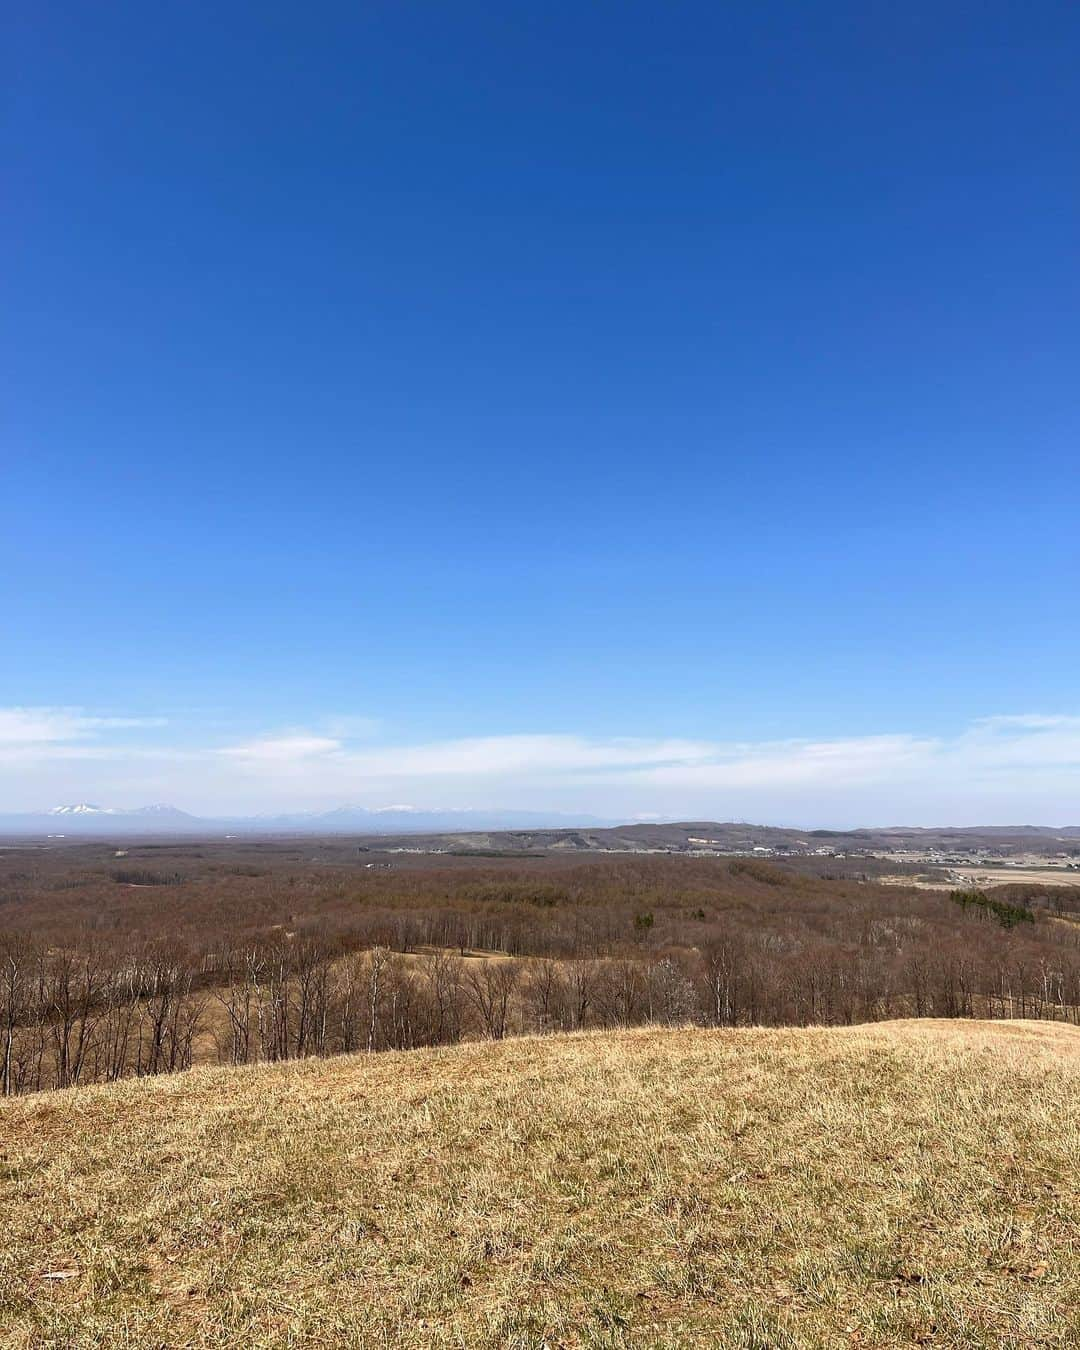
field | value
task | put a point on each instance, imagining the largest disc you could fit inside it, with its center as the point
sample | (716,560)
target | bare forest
(149,958)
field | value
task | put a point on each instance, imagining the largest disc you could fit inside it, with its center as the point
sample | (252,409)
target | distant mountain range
(86,811)
(531,831)
(86,818)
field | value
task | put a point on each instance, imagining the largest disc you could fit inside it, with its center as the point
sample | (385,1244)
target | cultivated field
(983,879)
(895,1184)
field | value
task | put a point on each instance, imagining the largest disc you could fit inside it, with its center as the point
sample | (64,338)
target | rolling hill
(884,1185)
(505,831)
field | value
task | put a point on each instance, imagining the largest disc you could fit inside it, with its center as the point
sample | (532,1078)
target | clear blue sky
(400,374)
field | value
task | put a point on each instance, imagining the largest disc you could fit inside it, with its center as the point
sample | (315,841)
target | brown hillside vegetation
(235,953)
(890,1184)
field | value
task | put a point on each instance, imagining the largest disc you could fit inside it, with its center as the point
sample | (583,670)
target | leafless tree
(489,986)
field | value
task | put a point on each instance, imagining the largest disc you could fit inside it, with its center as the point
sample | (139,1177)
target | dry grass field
(894,1184)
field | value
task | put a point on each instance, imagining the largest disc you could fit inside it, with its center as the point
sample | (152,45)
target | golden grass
(904,1183)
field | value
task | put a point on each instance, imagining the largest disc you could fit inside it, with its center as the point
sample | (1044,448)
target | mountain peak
(161,810)
(81,809)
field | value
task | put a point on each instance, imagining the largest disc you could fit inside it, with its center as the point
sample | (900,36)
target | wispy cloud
(1010,766)
(46,726)
(281,749)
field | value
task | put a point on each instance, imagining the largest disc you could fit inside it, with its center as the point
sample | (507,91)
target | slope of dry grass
(875,1186)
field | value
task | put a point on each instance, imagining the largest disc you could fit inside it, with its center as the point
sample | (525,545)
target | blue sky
(576,407)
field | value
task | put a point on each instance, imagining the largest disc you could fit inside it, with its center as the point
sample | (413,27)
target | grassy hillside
(881,1185)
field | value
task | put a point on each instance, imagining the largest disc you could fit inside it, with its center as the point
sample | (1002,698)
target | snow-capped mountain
(159,811)
(385,819)
(83,809)
(89,819)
